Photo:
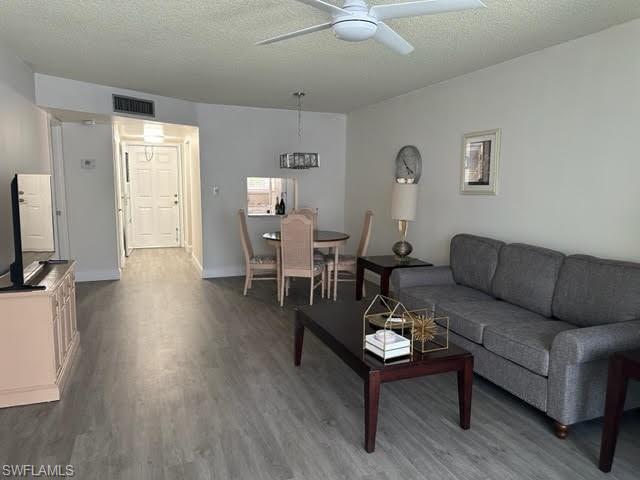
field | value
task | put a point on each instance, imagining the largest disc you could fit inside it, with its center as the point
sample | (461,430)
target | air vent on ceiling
(135,106)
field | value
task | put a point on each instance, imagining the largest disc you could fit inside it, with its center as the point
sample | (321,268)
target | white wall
(90,197)
(569,161)
(24,139)
(66,94)
(236,142)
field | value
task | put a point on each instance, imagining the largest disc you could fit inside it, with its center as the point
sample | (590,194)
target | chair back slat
(366,234)
(296,232)
(244,237)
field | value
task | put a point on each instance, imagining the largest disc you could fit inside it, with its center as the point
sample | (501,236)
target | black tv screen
(32,226)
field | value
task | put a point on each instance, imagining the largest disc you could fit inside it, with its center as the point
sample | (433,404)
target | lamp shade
(404,200)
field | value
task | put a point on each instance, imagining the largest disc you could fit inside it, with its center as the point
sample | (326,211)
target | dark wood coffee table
(339,327)
(622,367)
(383,265)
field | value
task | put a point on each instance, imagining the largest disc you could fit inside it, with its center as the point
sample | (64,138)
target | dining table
(321,239)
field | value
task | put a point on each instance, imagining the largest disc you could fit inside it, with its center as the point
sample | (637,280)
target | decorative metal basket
(393,338)
(430,331)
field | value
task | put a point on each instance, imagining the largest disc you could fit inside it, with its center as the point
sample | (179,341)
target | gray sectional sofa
(540,324)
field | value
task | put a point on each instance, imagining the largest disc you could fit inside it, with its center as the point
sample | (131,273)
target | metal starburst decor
(424,328)
(429,331)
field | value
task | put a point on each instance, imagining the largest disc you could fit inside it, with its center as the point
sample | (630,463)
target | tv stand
(38,337)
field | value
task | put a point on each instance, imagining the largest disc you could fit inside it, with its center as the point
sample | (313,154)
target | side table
(383,265)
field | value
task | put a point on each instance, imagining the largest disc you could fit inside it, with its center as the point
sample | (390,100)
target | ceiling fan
(356,21)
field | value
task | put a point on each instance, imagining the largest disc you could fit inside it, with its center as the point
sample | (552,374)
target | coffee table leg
(614,406)
(371,398)
(298,339)
(465,387)
(359,280)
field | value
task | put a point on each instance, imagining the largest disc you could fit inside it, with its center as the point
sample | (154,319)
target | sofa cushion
(527,275)
(526,343)
(471,318)
(474,260)
(427,295)
(592,291)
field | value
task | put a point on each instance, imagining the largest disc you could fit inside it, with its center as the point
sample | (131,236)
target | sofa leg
(562,431)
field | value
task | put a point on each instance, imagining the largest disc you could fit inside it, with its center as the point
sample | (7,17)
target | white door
(36,215)
(155,196)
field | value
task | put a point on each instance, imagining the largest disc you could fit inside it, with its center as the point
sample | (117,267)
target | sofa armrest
(594,343)
(402,278)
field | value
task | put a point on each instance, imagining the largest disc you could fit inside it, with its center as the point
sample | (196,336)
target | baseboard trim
(197,264)
(97,275)
(29,395)
(219,272)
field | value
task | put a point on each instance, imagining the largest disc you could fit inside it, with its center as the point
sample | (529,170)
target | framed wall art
(480,158)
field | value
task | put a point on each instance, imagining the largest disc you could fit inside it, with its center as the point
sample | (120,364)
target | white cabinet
(38,338)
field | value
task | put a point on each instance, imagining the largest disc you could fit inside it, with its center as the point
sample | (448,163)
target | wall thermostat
(88,163)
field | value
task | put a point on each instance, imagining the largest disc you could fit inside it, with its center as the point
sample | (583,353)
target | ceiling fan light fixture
(356,21)
(355,30)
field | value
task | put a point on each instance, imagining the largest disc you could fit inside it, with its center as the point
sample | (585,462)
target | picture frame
(479,163)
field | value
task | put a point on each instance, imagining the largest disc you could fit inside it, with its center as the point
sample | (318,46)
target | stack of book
(387,344)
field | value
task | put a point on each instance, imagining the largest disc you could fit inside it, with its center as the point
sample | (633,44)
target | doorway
(157,180)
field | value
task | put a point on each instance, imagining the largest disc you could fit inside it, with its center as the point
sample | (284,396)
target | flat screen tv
(33,238)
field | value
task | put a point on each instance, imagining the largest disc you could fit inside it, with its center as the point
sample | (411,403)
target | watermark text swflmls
(45,471)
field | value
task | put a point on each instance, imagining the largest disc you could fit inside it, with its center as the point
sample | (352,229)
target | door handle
(21,200)
(175,202)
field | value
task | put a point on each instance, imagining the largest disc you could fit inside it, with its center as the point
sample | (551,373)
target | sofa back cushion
(526,276)
(592,291)
(474,260)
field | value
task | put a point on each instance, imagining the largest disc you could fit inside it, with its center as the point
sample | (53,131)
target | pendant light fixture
(299,160)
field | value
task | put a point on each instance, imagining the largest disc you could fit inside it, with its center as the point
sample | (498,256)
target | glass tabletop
(318,236)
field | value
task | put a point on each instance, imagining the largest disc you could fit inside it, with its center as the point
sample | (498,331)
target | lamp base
(402,249)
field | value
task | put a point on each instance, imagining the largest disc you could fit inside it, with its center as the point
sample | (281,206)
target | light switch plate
(88,163)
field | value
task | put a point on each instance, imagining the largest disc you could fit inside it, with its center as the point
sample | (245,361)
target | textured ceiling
(204,50)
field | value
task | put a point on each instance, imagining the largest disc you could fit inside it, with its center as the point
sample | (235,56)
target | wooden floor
(182,378)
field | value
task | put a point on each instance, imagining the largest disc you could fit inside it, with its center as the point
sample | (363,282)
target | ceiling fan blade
(388,37)
(325,7)
(297,33)
(424,7)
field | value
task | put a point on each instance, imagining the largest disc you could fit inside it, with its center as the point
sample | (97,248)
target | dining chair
(348,263)
(311,213)
(296,240)
(254,264)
